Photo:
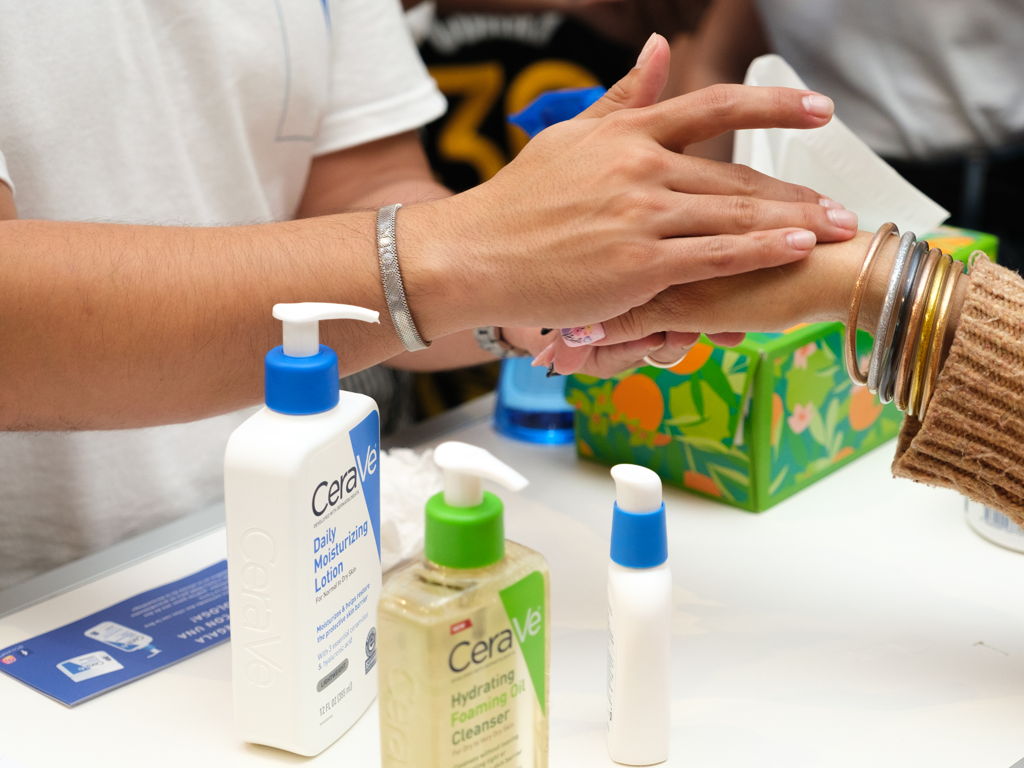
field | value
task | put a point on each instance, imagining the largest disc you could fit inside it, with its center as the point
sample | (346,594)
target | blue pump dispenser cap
(639,535)
(301,376)
(300,386)
(554,107)
(639,539)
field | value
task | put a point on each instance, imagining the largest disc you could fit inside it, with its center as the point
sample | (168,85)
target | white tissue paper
(407,480)
(833,161)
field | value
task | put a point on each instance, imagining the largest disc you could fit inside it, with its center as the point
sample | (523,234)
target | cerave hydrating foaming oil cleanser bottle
(464,637)
(302,492)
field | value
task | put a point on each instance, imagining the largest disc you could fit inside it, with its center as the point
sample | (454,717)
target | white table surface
(860,623)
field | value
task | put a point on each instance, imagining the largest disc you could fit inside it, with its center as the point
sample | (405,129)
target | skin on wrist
(442,296)
(818,288)
(845,276)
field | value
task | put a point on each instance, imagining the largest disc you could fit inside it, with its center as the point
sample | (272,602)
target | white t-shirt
(173,112)
(913,78)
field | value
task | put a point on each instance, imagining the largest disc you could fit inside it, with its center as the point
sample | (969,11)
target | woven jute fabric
(972,437)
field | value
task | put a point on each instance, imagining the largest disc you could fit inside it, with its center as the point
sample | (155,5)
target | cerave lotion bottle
(639,621)
(464,637)
(302,492)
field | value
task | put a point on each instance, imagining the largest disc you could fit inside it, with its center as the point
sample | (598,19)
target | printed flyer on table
(126,641)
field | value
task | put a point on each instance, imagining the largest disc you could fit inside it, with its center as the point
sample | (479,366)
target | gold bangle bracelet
(907,354)
(938,338)
(852,364)
(924,343)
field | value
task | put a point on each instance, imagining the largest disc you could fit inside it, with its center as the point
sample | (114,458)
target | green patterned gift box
(751,425)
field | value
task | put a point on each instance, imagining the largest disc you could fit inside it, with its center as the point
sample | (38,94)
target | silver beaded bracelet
(391,277)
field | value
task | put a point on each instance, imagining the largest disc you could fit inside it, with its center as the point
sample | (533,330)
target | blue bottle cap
(300,386)
(301,376)
(639,539)
(639,535)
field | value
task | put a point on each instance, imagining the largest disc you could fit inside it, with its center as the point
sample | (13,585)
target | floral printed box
(751,425)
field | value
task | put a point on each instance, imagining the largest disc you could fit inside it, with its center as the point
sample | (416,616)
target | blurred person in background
(936,87)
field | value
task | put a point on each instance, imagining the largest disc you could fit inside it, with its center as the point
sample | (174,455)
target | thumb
(642,86)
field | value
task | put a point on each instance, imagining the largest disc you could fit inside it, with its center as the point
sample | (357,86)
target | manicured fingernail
(843,218)
(818,105)
(801,240)
(582,335)
(545,356)
(827,203)
(649,47)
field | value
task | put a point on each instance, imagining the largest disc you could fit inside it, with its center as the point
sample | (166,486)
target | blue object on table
(124,642)
(554,107)
(531,406)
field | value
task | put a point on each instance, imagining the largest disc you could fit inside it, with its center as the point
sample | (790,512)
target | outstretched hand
(621,214)
(601,213)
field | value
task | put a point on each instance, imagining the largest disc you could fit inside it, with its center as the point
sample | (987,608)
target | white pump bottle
(639,621)
(302,491)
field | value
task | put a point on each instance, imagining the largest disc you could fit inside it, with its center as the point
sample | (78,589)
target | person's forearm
(818,288)
(457,350)
(404,178)
(109,326)
(7,208)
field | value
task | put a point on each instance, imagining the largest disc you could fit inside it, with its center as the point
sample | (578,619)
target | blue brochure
(125,641)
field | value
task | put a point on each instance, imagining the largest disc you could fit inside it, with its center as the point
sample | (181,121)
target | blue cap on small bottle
(639,534)
(639,539)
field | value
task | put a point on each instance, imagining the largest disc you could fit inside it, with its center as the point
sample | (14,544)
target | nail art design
(583,334)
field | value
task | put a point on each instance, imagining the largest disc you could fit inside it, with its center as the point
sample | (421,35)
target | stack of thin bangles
(912,326)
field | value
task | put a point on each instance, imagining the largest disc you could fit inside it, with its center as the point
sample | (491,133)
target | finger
(698,215)
(582,335)
(641,86)
(545,356)
(702,115)
(604,362)
(675,348)
(673,309)
(689,259)
(701,176)
(726,339)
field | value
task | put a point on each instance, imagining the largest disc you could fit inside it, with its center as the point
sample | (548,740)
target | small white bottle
(302,492)
(639,621)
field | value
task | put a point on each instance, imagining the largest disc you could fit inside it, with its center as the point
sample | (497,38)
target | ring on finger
(656,364)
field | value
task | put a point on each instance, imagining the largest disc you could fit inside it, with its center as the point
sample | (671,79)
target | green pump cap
(465,526)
